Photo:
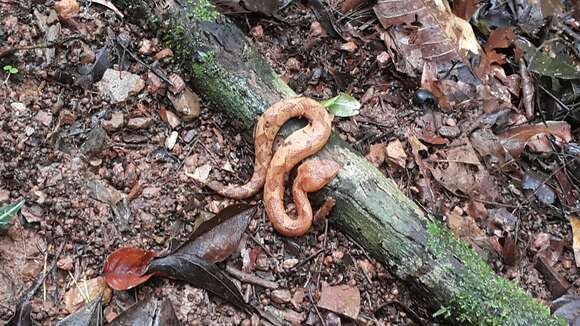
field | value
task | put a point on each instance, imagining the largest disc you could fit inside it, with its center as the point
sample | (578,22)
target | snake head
(314,174)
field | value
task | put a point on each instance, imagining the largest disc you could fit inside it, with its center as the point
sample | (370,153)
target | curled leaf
(342,105)
(7,214)
(124,268)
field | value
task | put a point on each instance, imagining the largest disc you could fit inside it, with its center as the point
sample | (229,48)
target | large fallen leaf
(217,238)
(89,315)
(150,311)
(7,214)
(459,169)
(201,274)
(341,299)
(442,36)
(515,139)
(552,66)
(396,153)
(124,268)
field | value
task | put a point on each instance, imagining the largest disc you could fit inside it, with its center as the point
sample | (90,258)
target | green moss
(202,11)
(480,297)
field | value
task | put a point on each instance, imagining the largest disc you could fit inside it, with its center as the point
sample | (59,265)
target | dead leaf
(395,153)
(376,154)
(509,251)
(557,284)
(535,182)
(109,5)
(575,223)
(67,9)
(89,315)
(517,138)
(443,37)
(548,246)
(341,299)
(124,268)
(476,209)
(201,173)
(86,291)
(150,311)
(463,226)
(217,238)
(459,169)
(464,8)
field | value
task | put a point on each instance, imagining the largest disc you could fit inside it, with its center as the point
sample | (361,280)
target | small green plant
(10,70)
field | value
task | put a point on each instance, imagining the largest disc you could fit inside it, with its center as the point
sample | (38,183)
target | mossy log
(444,273)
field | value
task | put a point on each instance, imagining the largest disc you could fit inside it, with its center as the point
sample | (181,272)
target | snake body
(271,169)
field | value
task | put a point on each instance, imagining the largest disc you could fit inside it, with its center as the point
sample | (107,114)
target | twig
(315,307)
(136,58)
(6,51)
(307,259)
(250,278)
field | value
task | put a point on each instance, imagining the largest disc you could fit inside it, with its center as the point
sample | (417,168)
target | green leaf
(13,70)
(542,63)
(342,105)
(7,213)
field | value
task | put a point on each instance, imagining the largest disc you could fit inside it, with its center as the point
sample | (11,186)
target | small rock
(171,140)
(4,195)
(116,122)
(202,173)
(383,59)
(186,103)
(293,64)
(65,263)
(165,53)
(368,268)
(93,288)
(349,47)
(67,9)
(178,84)
(449,131)
(155,85)
(289,263)
(44,117)
(316,30)
(293,317)
(337,255)
(117,85)
(95,142)
(189,135)
(451,122)
(298,298)
(257,31)
(169,117)
(151,192)
(281,296)
(29,131)
(17,106)
(146,46)
(140,123)
(87,56)
(31,269)
(67,117)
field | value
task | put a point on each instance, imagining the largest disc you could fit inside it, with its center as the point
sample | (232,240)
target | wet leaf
(537,183)
(216,239)
(200,274)
(89,315)
(150,311)
(342,105)
(124,268)
(341,299)
(7,214)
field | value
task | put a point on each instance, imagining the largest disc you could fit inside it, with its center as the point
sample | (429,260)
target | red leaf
(124,268)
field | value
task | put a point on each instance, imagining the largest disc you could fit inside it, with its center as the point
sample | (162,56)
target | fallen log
(443,272)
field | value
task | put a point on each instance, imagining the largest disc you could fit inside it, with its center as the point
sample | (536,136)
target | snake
(271,168)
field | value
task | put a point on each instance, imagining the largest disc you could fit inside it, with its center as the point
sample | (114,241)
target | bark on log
(441,270)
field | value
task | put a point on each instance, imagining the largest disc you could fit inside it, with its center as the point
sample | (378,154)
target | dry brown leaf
(463,226)
(459,169)
(517,138)
(341,299)
(376,154)
(67,9)
(86,291)
(395,153)
(464,8)
(575,223)
(441,37)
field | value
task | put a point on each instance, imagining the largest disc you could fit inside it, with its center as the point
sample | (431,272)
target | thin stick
(250,278)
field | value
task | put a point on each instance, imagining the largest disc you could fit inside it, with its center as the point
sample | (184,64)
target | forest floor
(60,135)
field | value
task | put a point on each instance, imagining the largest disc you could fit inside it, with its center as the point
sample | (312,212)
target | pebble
(293,64)
(289,263)
(44,117)
(189,135)
(449,131)
(65,263)
(95,141)
(29,131)
(281,296)
(140,123)
(4,195)
(163,54)
(171,140)
(186,103)
(116,122)
(117,85)
(172,119)
(178,84)
(349,47)
(20,107)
